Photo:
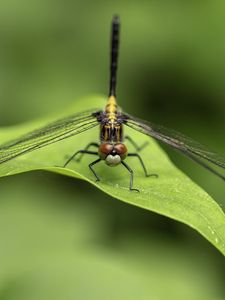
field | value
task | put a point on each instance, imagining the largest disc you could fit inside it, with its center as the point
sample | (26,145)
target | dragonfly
(111,147)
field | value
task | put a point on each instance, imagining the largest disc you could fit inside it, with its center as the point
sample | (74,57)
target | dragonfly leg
(86,149)
(82,152)
(131,176)
(142,164)
(137,148)
(92,170)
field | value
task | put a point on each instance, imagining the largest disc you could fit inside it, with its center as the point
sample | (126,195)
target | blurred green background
(60,237)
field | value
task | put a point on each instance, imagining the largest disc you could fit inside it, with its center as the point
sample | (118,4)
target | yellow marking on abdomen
(111,109)
(111,105)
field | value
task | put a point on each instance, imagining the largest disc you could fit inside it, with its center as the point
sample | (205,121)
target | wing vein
(51,133)
(184,144)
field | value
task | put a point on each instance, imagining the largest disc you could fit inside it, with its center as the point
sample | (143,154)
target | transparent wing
(186,145)
(51,133)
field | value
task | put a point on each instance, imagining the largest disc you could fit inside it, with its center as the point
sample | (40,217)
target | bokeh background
(60,238)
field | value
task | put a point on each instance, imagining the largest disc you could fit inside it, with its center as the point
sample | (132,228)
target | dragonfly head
(113,154)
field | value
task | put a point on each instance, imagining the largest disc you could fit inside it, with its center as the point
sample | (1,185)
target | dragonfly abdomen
(111,107)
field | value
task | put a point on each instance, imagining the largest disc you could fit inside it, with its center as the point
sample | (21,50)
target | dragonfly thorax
(112,153)
(111,132)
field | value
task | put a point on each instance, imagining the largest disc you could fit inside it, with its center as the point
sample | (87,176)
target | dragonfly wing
(184,144)
(51,133)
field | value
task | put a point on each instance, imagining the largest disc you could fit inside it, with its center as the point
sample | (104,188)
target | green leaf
(172,194)
(53,241)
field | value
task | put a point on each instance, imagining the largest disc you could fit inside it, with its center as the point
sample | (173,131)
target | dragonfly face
(113,154)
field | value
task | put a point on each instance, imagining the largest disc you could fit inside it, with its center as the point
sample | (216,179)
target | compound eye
(121,150)
(104,149)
